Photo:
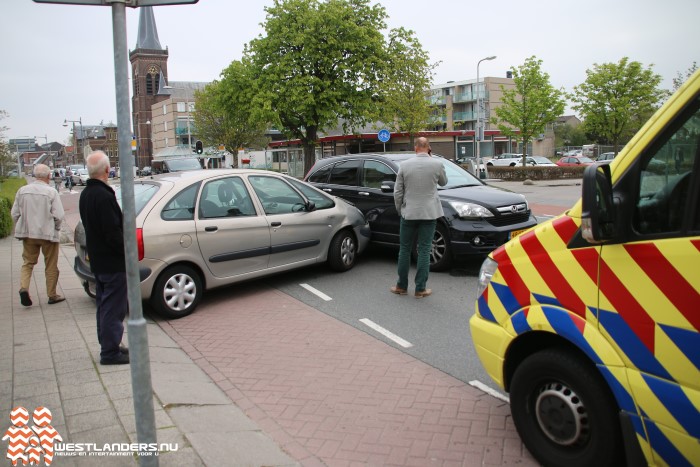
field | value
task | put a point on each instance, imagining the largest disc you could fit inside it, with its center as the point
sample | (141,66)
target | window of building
(165,109)
(181,107)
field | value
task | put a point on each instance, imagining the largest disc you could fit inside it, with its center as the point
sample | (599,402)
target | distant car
(605,158)
(13,173)
(574,153)
(571,161)
(79,177)
(540,161)
(146,171)
(201,229)
(507,159)
(112,172)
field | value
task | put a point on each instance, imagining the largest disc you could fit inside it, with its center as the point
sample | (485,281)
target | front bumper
(491,343)
(479,238)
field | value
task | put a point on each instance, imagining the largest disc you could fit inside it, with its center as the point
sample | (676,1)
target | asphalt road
(435,329)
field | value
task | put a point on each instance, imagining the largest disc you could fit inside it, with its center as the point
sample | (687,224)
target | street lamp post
(82,135)
(479,119)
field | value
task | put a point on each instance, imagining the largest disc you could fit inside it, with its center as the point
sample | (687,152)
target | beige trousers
(30,255)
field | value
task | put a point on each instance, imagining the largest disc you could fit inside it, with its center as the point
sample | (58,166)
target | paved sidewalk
(252,378)
(49,357)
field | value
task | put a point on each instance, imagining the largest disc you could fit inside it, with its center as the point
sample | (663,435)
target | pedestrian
(57,180)
(103,222)
(418,205)
(38,215)
(69,179)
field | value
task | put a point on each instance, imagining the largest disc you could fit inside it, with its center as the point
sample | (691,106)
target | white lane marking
(492,392)
(316,292)
(385,333)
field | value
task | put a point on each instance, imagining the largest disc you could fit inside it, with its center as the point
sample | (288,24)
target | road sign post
(384,135)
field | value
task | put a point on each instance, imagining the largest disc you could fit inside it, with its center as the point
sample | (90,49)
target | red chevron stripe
(667,278)
(565,227)
(512,278)
(627,306)
(556,281)
(696,244)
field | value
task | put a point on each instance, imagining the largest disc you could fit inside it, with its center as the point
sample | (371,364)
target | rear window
(142,194)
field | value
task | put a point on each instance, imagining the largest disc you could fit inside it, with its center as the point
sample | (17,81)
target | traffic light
(198,147)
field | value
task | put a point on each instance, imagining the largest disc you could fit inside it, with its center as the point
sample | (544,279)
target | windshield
(457,176)
(541,160)
(585,159)
(142,194)
(178,165)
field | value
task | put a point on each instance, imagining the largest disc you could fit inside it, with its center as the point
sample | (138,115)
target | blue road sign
(384,135)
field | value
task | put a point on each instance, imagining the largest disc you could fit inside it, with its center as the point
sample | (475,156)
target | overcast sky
(57,60)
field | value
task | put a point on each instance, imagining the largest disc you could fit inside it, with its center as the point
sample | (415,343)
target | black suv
(478,217)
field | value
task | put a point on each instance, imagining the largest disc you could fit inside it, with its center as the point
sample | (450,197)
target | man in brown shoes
(38,215)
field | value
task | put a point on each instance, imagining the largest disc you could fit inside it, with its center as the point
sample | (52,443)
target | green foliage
(568,135)
(318,63)
(406,107)
(5,217)
(10,186)
(224,114)
(616,99)
(681,78)
(8,161)
(531,105)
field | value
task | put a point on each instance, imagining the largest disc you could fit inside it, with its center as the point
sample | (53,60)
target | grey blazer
(415,193)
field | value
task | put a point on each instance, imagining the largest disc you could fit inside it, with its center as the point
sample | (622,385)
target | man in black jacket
(102,219)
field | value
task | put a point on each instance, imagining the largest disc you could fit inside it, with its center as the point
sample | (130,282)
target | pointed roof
(148,34)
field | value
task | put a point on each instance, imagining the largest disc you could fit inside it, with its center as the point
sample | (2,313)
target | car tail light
(139,242)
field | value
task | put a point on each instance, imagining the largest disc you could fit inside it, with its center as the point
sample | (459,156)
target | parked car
(605,158)
(202,229)
(573,153)
(540,161)
(507,159)
(478,217)
(79,176)
(570,161)
(146,171)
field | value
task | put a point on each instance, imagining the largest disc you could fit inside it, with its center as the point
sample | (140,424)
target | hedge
(8,189)
(517,174)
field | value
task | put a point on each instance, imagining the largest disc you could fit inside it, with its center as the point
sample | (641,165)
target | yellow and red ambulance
(591,321)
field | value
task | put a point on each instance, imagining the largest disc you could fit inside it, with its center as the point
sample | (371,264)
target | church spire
(148,34)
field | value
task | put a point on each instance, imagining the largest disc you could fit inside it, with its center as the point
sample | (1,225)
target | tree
(531,105)
(616,99)
(7,159)
(406,106)
(568,135)
(318,63)
(223,112)
(681,78)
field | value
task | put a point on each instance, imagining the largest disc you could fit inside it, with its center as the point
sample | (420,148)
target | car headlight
(470,210)
(488,269)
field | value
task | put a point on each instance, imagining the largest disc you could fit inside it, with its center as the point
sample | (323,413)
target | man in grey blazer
(418,205)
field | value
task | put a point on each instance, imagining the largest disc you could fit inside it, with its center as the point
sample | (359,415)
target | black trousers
(112,305)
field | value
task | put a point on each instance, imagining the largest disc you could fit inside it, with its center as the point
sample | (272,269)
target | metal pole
(82,139)
(478,122)
(138,336)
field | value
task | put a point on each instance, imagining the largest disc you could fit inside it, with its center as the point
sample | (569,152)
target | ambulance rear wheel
(564,412)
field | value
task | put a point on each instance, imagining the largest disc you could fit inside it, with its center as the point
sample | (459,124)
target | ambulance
(591,321)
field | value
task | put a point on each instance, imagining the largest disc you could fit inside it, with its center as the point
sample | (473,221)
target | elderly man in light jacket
(418,204)
(38,215)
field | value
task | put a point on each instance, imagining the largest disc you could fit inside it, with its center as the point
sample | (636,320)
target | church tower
(149,70)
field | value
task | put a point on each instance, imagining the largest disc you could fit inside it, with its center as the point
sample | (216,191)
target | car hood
(484,195)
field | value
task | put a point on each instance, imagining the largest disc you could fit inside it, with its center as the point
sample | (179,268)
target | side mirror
(310,206)
(387,186)
(598,210)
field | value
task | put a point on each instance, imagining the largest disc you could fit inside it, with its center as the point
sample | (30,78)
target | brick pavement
(330,394)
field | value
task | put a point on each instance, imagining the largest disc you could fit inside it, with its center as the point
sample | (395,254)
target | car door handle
(211,229)
(276,224)
(363,193)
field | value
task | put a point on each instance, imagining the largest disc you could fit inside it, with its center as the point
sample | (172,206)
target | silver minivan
(201,229)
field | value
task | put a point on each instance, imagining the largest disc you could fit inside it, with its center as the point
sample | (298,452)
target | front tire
(440,249)
(564,412)
(342,253)
(177,292)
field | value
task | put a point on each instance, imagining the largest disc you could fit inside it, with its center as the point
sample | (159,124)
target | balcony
(464,97)
(463,116)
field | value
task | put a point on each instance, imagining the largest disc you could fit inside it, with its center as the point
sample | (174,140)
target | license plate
(515,233)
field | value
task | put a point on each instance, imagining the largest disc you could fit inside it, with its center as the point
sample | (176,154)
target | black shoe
(57,299)
(24,298)
(123,349)
(121,359)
